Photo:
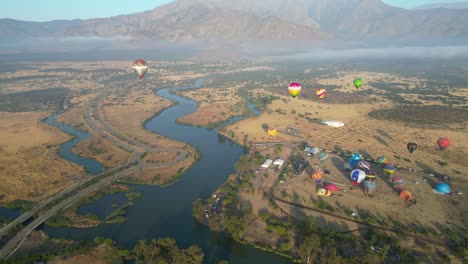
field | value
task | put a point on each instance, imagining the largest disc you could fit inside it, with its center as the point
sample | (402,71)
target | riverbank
(72,218)
(102,250)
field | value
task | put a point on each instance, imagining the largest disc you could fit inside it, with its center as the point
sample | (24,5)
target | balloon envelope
(317,176)
(358,176)
(443,188)
(443,143)
(363,165)
(398,182)
(322,156)
(331,187)
(370,186)
(389,169)
(272,132)
(354,159)
(140,67)
(412,147)
(358,83)
(294,89)
(321,93)
(382,160)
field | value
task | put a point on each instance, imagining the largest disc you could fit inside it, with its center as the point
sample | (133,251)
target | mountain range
(269,21)
(457,5)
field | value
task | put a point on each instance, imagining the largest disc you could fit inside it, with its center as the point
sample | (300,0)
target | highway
(10,247)
(94,120)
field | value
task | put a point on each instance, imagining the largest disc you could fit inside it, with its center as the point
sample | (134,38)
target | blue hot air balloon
(354,159)
(443,188)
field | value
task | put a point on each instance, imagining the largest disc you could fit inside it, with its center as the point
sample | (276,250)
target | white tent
(332,123)
(267,163)
(278,162)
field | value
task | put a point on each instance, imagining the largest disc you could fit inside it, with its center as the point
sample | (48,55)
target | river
(167,211)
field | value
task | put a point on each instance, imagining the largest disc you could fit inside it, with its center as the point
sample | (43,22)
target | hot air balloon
(412,147)
(370,174)
(389,169)
(317,177)
(322,156)
(354,159)
(357,176)
(443,188)
(369,186)
(382,160)
(272,132)
(140,68)
(358,83)
(406,195)
(331,187)
(398,183)
(323,192)
(294,89)
(363,165)
(443,143)
(321,93)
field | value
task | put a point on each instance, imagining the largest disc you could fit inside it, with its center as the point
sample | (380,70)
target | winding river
(167,211)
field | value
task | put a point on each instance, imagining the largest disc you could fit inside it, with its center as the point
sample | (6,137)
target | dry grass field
(215,105)
(30,167)
(372,137)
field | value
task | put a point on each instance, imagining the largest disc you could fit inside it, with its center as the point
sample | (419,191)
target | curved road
(103,179)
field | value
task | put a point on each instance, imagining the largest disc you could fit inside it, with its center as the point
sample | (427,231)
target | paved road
(10,247)
(107,133)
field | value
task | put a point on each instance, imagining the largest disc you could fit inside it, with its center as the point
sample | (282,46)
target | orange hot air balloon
(317,177)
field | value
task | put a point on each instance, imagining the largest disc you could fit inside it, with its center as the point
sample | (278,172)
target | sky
(46,10)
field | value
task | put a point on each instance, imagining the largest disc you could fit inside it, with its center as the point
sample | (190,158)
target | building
(278,162)
(267,163)
(332,123)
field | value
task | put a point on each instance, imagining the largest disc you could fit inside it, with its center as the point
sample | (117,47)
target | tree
(308,247)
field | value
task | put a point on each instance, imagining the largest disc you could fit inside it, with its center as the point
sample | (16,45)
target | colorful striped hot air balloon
(140,67)
(321,93)
(389,169)
(398,183)
(382,161)
(317,177)
(272,132)
(370,174)
(294,89)
(363,165)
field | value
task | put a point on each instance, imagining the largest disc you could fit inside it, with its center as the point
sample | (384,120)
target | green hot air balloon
(322,157)
(358,83)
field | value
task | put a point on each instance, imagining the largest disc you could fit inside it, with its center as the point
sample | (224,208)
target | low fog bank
(384,53)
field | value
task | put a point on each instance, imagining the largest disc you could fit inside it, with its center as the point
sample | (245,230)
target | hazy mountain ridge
(455,5)
(224,21)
